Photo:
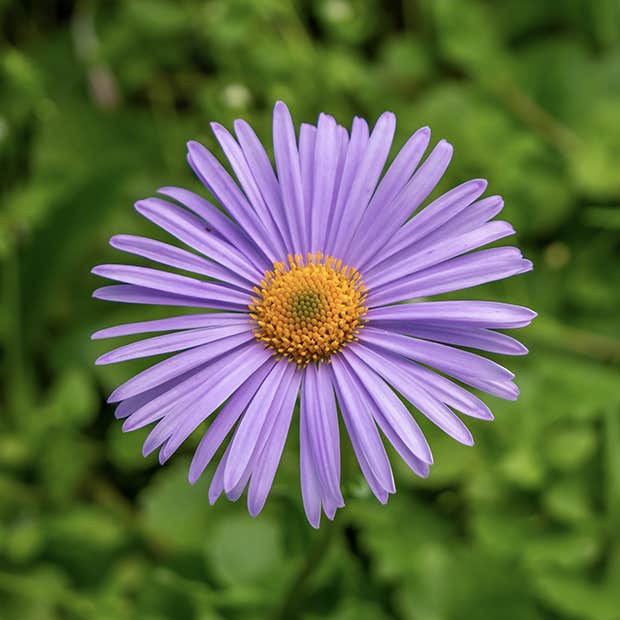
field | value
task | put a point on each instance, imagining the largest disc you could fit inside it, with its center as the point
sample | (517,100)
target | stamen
(307,310)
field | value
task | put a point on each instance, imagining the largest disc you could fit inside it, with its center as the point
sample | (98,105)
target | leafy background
(97,100)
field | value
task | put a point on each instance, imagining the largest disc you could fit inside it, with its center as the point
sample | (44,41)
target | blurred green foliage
(97,100)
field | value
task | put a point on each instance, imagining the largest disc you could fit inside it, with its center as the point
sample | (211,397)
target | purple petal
(216,487)
(187,321)
(178,364)
(289,176)
(129,294)
(216,389)
(189,403)
(225,420)
(326,159)
(355,152)
(172,283)
(239,164)
(310,490)
(215,178)
(410,262)
(450,360)
(172,256)
(410,198)
(426,221)
(251,425)
(322,428)
(269,459)
(462,313)
(445,390)
(471,337)
(413,390)
(365,181)
(469,218)
(132,404)
(394,413)
(265,177)
(192,231)
(216,223)
(400,171)
(418,466)
(363,432)
(307,143)
(171,342)
(453,275)
(468,367)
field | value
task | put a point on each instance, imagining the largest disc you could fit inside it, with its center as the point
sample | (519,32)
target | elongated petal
(471,337)
(418,466)
(222,186)
(177,365)
(132,404)
(427,220)
(365,180)
(400,171)
(413,390)
(445,390)
(216,222)
(175,257)
(455,274)
(467,367)
(307,144)
(310,489)
(211,385)
(188,321)
(465,220)
(216,389)
(130,294)
(172,283)
(417,260)
(451,360)
(239,164)
(394,412)
(216,488)
(322,428)
(355,152)
(251,425)
(325,169)
(168,343)
(363,432)
(490,314)
(410,198)
(265,177)
(269,458)
(289,176)
(225,421)
(192,231)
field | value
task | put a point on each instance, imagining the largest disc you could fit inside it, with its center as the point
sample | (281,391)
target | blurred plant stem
(551,332)
(523,107)
(18,396)
(294,595)
(612,435)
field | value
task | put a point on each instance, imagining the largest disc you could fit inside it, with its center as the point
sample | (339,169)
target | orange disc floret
(307,310)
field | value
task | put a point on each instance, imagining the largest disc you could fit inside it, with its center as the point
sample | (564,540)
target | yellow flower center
(307,310)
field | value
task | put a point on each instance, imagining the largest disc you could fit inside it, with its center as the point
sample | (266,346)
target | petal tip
(424,133)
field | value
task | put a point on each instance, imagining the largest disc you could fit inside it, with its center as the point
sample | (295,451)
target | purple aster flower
(314,276)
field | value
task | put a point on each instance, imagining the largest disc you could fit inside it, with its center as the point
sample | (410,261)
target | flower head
(315,277)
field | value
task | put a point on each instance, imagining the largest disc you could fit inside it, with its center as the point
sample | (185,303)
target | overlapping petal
(328,193)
